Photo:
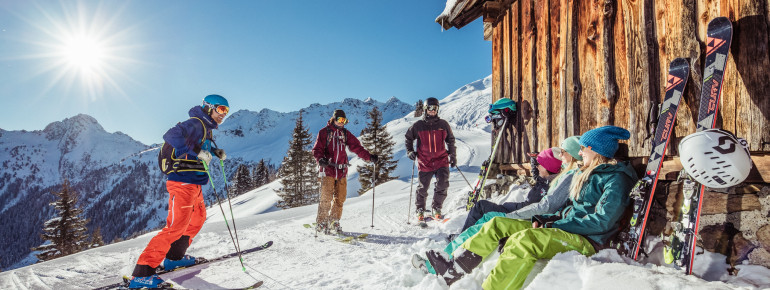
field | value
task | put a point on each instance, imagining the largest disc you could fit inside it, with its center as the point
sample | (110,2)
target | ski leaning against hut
(187,145)
(329,151)
(435,152)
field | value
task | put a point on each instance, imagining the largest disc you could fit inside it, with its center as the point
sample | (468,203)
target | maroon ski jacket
(431,134)
(330,143)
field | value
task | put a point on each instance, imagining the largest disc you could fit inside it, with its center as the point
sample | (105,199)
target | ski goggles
(493,117)
(342,120)
(222,110)
(432,108)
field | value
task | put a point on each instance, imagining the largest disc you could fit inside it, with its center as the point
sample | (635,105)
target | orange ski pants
(186,215)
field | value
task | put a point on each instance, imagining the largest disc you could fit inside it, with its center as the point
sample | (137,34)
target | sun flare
(84,53)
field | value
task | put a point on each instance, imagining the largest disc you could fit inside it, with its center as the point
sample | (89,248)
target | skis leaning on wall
(631,240)
(680,246)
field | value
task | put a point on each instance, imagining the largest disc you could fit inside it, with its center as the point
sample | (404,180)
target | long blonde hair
(579,180)
(574,163)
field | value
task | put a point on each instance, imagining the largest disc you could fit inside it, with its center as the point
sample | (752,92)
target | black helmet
(431,104)
(431,101)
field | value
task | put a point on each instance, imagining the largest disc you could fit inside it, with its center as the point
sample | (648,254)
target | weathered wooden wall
(575,65)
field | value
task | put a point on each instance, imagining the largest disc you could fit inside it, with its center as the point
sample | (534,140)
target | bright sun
(83,53)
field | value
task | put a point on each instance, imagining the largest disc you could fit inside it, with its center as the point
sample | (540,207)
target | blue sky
(138,66)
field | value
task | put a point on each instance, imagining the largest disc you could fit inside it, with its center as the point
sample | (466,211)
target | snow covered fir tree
(419,108)
(376,139)
(261,174)
(298,172)
(242,181)
(65,233)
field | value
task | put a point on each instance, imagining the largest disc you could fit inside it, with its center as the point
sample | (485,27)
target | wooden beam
(760,172)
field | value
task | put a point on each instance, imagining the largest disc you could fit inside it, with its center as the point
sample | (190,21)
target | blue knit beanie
(604,140)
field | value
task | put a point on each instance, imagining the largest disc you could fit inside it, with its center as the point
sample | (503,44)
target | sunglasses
(342,120)
(432,108)
(222,110)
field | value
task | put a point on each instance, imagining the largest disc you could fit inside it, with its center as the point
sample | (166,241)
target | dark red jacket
(337,139)
(431,133)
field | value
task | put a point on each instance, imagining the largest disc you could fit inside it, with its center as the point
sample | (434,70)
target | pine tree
(419,108)
(298,172)
(65,232)
(96,239)
(242,181)
(376,139)
(261,174)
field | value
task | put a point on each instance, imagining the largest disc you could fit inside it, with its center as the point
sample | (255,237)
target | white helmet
(715,158)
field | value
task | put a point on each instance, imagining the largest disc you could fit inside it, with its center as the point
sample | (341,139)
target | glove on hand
(204,156)
(452,160)
(323,162)
(374,157)
(220,153)
(412,155)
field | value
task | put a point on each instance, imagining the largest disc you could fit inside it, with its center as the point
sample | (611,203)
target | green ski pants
(524,247)
(467,234)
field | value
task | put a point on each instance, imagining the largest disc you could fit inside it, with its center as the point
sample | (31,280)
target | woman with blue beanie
(598,194)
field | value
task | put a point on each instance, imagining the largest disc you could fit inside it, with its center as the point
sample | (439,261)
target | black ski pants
(439,193)
(484,206)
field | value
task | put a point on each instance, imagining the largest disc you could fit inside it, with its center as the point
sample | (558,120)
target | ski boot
(322,228)
(453,270)
(420,215)
(148,282)
(186,261)
(437,215)
(335,228)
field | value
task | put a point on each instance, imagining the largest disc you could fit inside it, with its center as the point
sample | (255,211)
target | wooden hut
(575,65)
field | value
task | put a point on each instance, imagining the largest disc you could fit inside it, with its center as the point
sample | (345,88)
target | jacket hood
(622,167)
(198,112)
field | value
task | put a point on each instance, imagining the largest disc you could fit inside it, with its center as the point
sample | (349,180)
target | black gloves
(323,162)
(452,160)
(373,157)
(220,153)
(411,154)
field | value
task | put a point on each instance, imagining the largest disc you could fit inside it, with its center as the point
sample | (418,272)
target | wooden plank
(748,76)
(636,90)
(609,81)
(760,172)
(542,67)
(506,150)
(515,38)
(587,34)
(497,60)
(527,82)
(573,70)
(564,49)
(556,74)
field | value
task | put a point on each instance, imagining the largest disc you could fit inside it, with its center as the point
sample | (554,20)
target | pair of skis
(347,238)
(680,245)
(478,190)
(124,284)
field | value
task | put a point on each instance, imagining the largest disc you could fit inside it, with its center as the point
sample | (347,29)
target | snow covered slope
(298,260)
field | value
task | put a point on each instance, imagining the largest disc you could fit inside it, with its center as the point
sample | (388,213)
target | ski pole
(230,204)
(463,175)
(411,186)
(211,180)
(374,184)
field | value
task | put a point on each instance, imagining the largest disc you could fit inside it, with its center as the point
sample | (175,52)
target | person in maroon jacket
(329,151)
(435,153)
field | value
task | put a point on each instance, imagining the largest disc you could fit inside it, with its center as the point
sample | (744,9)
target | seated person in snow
(599,195)
(555,198)
(544,169)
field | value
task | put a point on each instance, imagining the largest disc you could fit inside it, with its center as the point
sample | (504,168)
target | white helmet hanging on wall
(715,158)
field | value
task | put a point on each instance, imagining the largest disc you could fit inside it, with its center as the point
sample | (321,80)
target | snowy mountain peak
(72,127)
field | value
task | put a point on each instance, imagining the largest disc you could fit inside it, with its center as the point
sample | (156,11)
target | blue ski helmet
(210,102)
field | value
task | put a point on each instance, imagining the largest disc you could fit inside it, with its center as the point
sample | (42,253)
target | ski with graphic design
(680,246)
(198,263)
(631,240)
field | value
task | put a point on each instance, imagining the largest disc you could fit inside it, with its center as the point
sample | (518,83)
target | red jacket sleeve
(320,145)
(355,146)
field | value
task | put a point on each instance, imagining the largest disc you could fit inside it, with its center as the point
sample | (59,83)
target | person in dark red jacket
(435,153)
(329,151)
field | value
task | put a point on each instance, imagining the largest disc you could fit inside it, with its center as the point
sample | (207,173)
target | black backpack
(168,162)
